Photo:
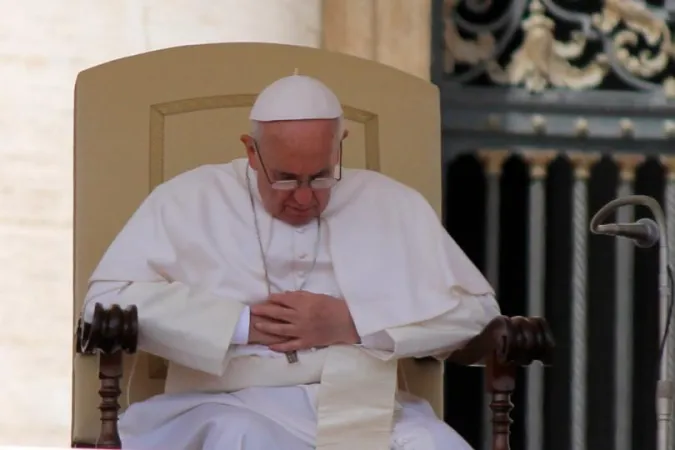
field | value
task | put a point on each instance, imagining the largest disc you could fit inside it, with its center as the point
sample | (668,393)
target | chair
(143,119)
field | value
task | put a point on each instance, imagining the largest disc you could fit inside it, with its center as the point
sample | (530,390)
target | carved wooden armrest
(505,344)
(112,332)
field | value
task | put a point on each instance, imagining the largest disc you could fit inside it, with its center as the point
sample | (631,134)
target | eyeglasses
(317,183)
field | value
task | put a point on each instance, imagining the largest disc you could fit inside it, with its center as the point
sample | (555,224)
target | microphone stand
(664,386)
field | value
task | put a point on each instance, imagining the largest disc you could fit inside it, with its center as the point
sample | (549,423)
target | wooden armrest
(111,333)
(505,344)
(510,340)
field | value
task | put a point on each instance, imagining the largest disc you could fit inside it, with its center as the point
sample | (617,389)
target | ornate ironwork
(567,44)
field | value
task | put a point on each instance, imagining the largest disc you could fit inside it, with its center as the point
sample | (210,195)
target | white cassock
(190,260)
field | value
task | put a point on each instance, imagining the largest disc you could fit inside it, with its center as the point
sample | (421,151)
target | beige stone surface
(43,45)
(393,32)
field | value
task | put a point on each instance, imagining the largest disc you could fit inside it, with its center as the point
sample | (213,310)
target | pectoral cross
(292,357)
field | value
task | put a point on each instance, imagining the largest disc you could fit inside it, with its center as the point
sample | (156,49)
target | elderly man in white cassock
(282,289)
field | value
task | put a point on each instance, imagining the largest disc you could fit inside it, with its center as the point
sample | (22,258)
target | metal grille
(599,294)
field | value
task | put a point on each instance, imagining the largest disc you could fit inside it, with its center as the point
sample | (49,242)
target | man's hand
(305,320)
(259,337)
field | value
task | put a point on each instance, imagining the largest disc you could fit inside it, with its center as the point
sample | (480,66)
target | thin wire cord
(131,377)
(669,319)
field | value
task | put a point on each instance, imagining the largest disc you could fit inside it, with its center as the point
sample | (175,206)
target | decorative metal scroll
(616,44)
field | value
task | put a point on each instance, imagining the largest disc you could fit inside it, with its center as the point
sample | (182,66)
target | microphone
(644,233)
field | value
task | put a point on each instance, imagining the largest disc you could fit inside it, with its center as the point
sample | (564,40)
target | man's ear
(249,144)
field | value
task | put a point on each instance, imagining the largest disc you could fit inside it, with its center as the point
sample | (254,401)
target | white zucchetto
(296,97)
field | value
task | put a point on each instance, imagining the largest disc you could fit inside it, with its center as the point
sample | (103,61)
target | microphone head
(644,233)
(610,229)
(652,233)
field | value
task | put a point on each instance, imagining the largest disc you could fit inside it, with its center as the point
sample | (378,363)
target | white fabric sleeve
(177,323)
(240,336)
(378,341)
(431,337)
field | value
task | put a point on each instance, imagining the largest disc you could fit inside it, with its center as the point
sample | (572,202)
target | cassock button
(300,230)
(302,256)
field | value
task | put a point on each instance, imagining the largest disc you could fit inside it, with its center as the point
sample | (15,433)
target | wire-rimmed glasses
(317,183)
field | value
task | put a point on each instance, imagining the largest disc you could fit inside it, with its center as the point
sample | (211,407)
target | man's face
(300,150)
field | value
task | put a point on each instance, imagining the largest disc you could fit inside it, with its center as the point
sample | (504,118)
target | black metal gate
(541,127)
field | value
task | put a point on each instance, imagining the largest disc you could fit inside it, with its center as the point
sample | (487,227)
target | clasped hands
(300,320)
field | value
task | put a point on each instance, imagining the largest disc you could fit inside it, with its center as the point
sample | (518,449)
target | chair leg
(501,384)
(110,373)
(111,333)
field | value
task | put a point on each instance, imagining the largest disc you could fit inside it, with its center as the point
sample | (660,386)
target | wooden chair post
(501,382)
(505,344)
(110,372)
(111,333)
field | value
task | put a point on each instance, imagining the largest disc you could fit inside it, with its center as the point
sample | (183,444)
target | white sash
(356,397)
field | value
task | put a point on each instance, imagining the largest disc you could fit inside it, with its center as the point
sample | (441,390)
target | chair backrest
(146,118)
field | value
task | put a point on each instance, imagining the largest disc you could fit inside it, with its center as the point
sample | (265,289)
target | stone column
(536,303)
(582,163)
(623,335)
(162,23)
(493,162)
(393,32)
(44,44)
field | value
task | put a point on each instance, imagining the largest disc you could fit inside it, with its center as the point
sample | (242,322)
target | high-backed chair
(144,119)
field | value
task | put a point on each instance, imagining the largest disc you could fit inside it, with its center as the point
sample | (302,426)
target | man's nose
(303,195)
